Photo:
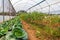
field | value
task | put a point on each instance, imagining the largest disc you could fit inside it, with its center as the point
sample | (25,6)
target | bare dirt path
(31,33)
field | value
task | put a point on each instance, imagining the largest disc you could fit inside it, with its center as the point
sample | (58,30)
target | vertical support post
(9,11)
(3,10)
(49,9)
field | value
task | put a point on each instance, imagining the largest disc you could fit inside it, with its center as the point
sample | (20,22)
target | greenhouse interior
(29,19)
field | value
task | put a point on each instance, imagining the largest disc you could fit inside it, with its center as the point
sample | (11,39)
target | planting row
(12,30)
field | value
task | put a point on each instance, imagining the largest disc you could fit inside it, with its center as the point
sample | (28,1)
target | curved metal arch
(17,2)
(31,4)
(50,5)
(35,5)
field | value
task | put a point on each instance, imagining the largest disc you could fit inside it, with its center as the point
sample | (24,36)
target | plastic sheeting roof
(43,7)
(6,6)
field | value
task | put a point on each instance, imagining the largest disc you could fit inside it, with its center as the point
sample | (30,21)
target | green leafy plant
(13,26)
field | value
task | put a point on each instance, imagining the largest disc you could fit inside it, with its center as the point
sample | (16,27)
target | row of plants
(12,30)
(46,24)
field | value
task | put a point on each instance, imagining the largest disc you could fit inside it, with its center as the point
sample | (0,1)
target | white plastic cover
(7,6)
(43,7)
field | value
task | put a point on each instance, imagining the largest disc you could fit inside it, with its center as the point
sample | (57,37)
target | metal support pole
(3,10)
(49,9)
(9,12)
(36,5)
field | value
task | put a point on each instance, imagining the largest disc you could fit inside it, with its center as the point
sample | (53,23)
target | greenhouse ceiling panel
(36,5)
